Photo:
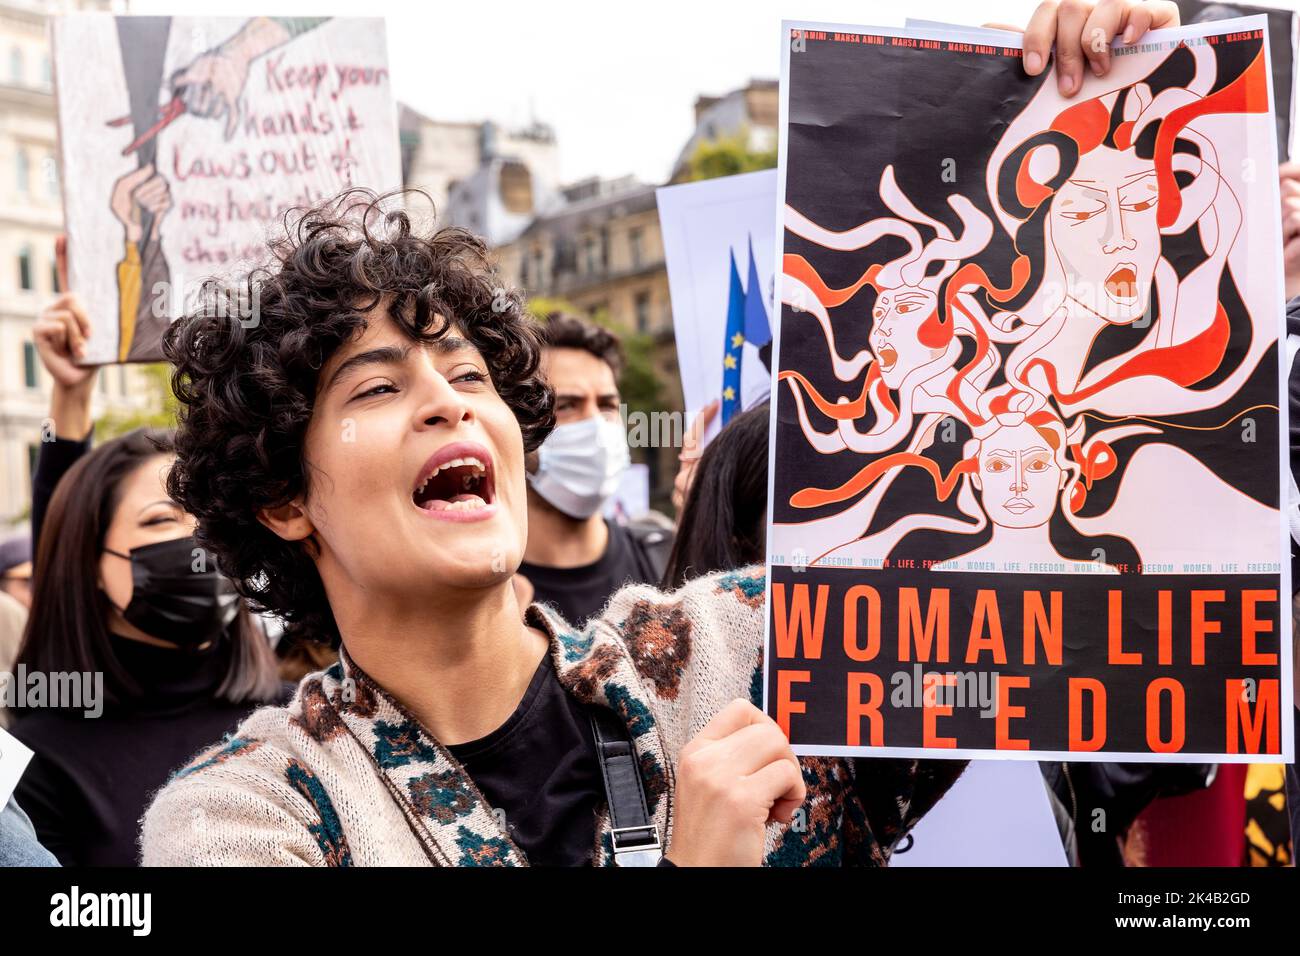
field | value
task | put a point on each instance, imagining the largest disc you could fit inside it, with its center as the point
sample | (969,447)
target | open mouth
(1018,506)
(1121,284)
(888,357)
(457,483)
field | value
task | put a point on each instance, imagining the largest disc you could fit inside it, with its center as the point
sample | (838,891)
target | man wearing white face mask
(575,559)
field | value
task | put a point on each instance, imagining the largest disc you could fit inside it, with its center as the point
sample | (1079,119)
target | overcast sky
(617,80)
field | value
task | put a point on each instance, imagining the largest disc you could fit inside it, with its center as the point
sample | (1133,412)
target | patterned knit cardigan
(344,775)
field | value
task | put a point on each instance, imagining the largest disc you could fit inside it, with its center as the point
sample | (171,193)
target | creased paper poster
(185,140)
(1016,824)
(14,758)
(1026,439)
(1281,45)
(718,250)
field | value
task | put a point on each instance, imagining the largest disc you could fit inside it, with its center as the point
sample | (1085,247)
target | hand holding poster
(186,139)
(1026,452)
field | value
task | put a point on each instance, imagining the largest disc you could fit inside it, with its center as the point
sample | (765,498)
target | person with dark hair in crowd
(355,459)
(723,522)
(576,559)
(16,568)
(15,600)
(164,653)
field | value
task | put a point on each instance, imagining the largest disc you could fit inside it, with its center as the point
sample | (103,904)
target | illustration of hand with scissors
(212,85)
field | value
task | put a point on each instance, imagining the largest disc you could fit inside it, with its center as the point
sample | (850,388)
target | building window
(22,172)
(564,257)
(25,269)
(516,185)
(16,66)
(604,248)
(643,312)
(30,373)
(50,172)
(634,245)
(589,255)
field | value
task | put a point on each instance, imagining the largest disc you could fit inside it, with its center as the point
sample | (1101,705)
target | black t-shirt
(91,780)
(581,593)
(540,770)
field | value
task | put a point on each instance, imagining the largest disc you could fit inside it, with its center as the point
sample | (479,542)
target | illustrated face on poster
(1102,229)
(1042,352)
(896,332)
(185,141)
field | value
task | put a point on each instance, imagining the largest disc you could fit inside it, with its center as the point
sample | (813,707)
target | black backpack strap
(654,545)
(635,836)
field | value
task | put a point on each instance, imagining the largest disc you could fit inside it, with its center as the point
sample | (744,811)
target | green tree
(160,412)
(726,156)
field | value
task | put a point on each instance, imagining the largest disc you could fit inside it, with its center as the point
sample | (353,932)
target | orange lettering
(785,706)
(1251,625)
(789,628)
(1262,725)
(1201,626)
(1178,727)
(1097,691)
(931,710)
(936,625)
(1036,620)
(1008,713)
(851,646)
(986,611)
(870,709)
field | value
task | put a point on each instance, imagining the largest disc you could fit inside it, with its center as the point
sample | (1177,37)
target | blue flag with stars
(731,348)
(757,330)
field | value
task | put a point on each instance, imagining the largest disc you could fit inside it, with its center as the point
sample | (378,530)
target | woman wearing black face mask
(124,595)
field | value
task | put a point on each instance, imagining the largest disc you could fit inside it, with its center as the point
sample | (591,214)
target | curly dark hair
(248,360)
(561,330)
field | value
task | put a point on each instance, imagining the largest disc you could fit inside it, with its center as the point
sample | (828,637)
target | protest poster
(1282,38)
(1027,449)
(1281,47)
(718,250)
(14,758)
(185,140)
(1016,825)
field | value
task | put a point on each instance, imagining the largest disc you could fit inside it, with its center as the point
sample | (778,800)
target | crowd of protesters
(363,651)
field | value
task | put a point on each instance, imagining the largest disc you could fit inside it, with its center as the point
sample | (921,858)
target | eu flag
(757,330)
(731,349)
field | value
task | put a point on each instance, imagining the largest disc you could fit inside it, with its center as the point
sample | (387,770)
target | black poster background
(1085,651)
(1281,51)
(853,109)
